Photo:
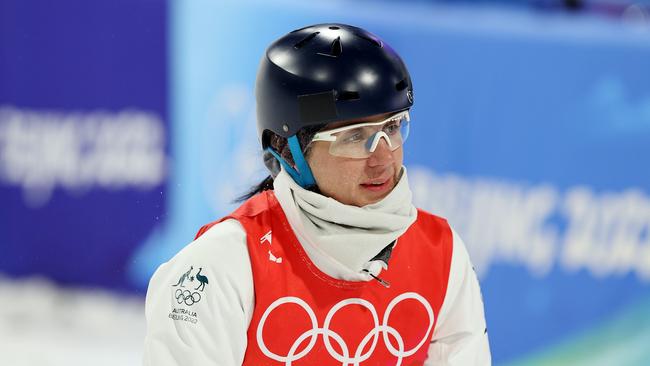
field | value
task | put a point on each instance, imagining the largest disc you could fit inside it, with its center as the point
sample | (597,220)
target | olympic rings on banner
(345,358)
(187,297)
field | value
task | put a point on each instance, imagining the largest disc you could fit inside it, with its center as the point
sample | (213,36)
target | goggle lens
(361,140)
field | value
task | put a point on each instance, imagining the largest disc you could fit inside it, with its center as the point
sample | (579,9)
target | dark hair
(280,145)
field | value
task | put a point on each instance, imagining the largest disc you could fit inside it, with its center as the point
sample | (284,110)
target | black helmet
(324,73)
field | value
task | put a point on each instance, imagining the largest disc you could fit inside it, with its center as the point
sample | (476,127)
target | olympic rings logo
(328,334)
(187,297)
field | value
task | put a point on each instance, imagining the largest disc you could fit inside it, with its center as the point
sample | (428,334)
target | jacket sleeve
(199,304)
(460,337)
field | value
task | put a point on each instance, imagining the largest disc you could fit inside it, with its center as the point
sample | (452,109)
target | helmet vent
(348,95)
(333,27)
(335,50)
(401,85)
(305,40)
(375,42)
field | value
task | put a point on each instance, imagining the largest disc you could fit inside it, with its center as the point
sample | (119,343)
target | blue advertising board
(83,136)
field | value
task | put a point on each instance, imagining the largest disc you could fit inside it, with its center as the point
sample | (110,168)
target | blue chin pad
(302,175)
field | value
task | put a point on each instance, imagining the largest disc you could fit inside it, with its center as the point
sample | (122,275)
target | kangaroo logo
(184,276)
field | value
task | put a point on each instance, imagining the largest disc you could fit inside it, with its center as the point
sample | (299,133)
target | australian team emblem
(192,295)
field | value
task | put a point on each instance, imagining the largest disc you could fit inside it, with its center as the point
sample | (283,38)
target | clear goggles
(361,140)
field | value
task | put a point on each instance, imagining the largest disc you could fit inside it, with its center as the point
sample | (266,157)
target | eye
(352,137)
(391,128)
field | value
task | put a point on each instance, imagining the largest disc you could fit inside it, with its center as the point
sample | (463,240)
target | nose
(382,155)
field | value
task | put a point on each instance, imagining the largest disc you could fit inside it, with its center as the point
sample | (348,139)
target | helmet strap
(302,173)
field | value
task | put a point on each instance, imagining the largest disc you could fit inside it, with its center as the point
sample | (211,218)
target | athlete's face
(352,181)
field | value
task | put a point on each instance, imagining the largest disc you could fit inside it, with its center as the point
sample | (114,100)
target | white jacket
(214,332)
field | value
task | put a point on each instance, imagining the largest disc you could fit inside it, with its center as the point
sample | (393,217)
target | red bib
(302,316)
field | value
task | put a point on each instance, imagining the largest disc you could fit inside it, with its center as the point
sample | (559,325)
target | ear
(271,163)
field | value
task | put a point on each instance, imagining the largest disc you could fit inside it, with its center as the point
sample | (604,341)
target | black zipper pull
(383,282)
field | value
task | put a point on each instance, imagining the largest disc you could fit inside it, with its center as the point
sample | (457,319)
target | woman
(327,261)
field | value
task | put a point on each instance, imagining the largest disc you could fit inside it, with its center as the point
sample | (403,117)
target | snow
(47,325)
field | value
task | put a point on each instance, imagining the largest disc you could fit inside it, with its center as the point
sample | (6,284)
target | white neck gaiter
(341,239)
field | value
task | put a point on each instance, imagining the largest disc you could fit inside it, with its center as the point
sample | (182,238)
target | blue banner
(83,136)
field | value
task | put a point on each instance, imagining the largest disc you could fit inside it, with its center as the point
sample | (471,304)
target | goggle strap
(304,174)
(292,172)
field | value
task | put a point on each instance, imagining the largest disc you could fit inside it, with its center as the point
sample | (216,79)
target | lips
(378,185)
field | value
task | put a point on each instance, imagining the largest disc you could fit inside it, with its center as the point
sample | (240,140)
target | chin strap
(302,173)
